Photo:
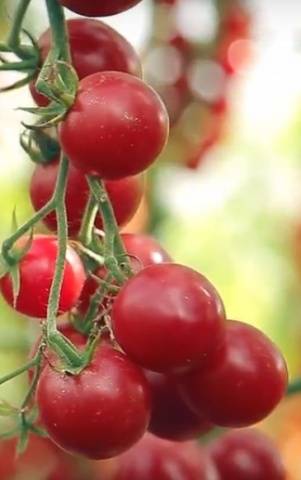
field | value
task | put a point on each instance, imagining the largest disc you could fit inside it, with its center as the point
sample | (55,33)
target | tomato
(95,47)
(156,459)
(168,318)
(98,8)
(245,382)
(171,417)
(125,195)
(247,455)
(39,460)
(37,269)
(99,413)
(116,127)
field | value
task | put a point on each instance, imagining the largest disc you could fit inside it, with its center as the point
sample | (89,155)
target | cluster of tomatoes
(168,366)
(217,61)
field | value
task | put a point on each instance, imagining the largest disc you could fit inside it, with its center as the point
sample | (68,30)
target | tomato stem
(13,41)
(19,371)
(86,230)
(59,30)
(116,259)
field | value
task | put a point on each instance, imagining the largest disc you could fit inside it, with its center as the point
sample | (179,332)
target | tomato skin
(168,318)
(116,127)
(95,47)
(99,413)
(156,459)
(125,195)
(98,8)
(144,250)
(171,417)
(247,455)
(37,269)
(228,391)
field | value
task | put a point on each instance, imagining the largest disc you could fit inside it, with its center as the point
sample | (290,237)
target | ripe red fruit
(156,459)
(247,455)
(116,127)
(245,382)
(98,8)
(99,413)
(95,47)
(37,269)
(168,318)
(125,196)
(144,250)
(171,417)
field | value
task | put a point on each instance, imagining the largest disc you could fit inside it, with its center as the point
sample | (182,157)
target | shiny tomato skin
(144,250)
(37,269)
(155,459)
(168,318)
(125,195)
(244,384)
(116,127)
(95,47)
(99,413)
(98,8)
(171,417)
(247,455)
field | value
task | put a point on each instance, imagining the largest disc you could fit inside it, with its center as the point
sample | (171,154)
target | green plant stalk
(57,341)
(96,300)
(86,230)
(58,30)
(13,41)
(114,252)
(18,371)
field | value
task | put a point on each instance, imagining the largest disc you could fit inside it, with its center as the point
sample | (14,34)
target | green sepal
(15,278)
(23,440)
(41,147)
(14,222)
(18,84)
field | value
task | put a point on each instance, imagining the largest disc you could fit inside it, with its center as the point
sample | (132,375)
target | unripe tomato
(98,8)
(37,269)
(156,459)
(245,382)
(116,127)
(168,318)
(99,413)
(247,455)
(125,196)
(95,47)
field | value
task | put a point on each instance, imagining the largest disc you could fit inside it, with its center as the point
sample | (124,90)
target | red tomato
(246,381)
(116,127)
(156,459)
(95,47)
(168,318)
(171,417)
(125,195)
(39,460)
(98,8)
(99,413)
(247,455)
(37,269)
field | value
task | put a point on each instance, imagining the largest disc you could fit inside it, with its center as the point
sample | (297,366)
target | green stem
(19,371)
(96,300)
(113,243)
(14,37)
(58,29)
(86,230)
(294,387)
(60,343)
